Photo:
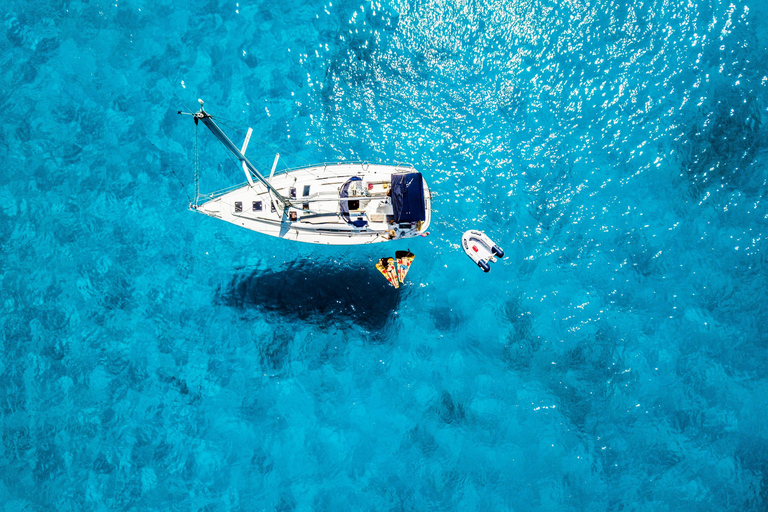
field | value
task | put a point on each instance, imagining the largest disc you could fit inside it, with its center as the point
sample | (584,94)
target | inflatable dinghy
(481,249)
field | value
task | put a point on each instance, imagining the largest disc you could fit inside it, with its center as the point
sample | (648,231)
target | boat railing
(213,195)
(218,193)
(350,162)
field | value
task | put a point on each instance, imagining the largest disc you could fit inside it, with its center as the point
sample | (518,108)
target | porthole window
(257,206)
(238,206)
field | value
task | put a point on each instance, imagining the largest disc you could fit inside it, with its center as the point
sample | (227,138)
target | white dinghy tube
(481,249)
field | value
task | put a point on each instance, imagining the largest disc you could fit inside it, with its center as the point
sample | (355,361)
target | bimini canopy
(408,197)
(358,221)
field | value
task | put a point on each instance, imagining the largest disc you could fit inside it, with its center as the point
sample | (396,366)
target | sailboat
(340,203)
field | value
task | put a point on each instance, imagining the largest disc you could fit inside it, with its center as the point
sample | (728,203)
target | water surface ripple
(616,359)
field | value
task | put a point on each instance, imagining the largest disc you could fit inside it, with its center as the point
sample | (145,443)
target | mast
(207,120)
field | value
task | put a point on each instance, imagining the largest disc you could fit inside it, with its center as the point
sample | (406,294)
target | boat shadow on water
(325,293)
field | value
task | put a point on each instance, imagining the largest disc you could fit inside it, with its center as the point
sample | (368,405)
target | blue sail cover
(408,197)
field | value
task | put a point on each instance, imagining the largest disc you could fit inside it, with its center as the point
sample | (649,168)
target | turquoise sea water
(154,359)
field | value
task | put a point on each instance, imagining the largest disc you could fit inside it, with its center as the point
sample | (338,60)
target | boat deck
(316,214)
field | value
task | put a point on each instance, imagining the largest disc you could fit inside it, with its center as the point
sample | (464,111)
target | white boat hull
(316,216)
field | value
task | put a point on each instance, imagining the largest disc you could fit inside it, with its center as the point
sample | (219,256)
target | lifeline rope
(197,170)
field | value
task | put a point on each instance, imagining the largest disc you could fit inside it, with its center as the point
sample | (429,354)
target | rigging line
(241,132)
(178,100)
(278,149)
(267,145)
(262,142)
(257,140)
(238,164)
(197,169)
(269,191)
(226,123)
(182,103)
(227,120)
(235,125)
(263,168)
(183,186)
(283,154)
(232,157)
